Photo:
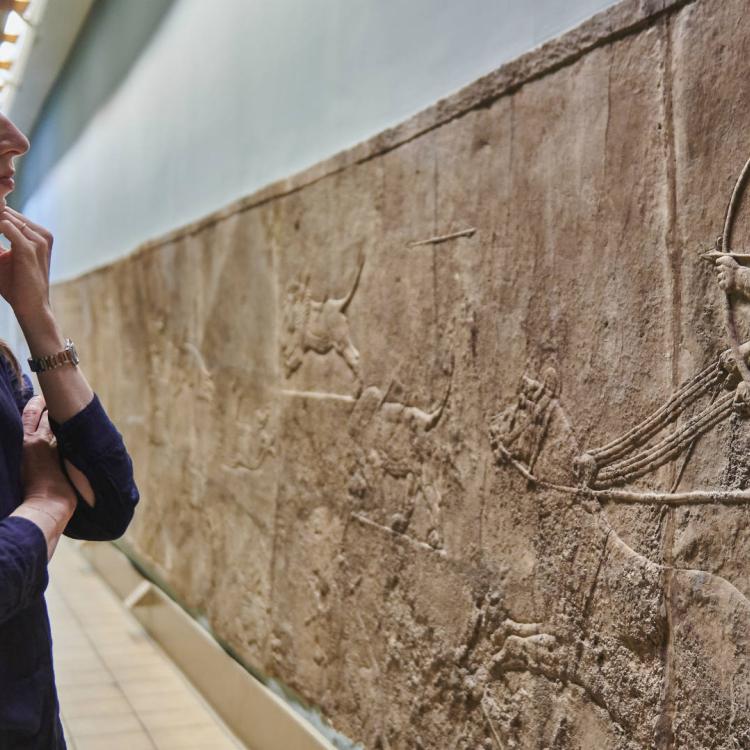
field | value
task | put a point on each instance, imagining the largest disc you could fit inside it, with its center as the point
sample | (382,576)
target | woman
(63,469)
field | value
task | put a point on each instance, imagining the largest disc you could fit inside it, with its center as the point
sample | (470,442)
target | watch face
(72,353)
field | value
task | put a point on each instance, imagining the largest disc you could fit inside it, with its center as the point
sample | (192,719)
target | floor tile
(122,741)
(117,689)
(99,707)
(188,738)
(81,726)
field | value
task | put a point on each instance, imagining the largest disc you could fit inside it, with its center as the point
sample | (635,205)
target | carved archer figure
(734,281)
(520,429)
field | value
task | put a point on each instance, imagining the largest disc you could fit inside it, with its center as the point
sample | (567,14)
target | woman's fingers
(13,233)
(24,237)
(45,234)
(32,414)
(45,430)
(24,269)
(28,230)
(41,244)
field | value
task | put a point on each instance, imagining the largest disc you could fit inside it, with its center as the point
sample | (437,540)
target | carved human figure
(734,279)
(521,428)
(255,443)
(393,445)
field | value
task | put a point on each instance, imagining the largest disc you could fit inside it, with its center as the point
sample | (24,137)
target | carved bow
(724,247)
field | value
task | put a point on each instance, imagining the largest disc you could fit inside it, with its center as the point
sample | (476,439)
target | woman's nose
(12,140)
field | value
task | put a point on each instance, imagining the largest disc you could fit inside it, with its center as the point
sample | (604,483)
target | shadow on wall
(86,82)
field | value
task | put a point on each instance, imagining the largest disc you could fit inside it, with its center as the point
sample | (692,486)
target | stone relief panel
(452,439)
(536,424)
(708,146)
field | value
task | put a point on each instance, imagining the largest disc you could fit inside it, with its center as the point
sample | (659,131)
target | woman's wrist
(41,331)
(65,388)
(58,518)
(51,518)
(59,504)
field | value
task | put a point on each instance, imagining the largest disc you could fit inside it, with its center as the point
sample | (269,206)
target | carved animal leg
(432,500)
(350,355)
(742,399)
(523,629)
(292,352)
(534,653)
(401,519)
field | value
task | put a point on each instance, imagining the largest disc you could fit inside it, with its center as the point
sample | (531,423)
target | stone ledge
(254,713)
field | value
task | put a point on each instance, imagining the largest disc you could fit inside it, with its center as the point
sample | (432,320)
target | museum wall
(440,432)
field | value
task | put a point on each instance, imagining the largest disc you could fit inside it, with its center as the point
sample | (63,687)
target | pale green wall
(161,117)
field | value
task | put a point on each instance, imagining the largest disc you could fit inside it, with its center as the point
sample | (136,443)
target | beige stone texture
(342,468)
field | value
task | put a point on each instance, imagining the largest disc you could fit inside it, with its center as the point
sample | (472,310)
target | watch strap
(51,361)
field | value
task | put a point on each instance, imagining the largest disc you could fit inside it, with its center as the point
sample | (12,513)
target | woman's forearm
(50,515)
(65,388)
(24,284)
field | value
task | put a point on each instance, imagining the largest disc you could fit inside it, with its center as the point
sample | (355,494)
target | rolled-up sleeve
(94,446)
(23,565)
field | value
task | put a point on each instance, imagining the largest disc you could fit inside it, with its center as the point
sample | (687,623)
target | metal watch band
(51,361)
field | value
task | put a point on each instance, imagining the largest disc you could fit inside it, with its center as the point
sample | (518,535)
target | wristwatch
(68,354)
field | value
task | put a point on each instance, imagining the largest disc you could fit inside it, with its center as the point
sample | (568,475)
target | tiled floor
(118,690)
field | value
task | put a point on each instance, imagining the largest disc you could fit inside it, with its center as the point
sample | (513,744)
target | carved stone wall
(440,432)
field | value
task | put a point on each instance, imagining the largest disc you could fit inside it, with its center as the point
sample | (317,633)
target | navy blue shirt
(29,709)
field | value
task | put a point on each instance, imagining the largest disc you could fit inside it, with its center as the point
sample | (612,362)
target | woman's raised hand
(24,268)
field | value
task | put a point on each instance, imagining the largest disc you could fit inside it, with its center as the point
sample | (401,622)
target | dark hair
(7,352)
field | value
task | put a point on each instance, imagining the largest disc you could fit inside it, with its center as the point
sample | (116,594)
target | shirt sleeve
(23,565)
(93,445)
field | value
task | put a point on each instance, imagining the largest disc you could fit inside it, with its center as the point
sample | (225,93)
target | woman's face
(12,143)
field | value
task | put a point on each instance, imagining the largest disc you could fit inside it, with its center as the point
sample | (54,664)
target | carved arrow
(714,255)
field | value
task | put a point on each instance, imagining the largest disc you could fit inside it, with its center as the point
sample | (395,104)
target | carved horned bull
(318,326)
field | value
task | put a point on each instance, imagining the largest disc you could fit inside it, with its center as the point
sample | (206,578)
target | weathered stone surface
(421,431)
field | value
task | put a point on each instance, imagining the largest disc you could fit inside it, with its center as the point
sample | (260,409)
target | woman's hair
(7,352)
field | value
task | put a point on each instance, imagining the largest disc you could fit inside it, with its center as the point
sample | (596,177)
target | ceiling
(56,26)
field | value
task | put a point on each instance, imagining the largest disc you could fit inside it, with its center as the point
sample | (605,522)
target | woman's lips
(7,182)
